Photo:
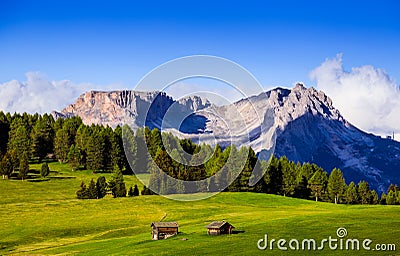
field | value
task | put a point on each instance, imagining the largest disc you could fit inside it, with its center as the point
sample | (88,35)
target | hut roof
(218,224)
(165,224)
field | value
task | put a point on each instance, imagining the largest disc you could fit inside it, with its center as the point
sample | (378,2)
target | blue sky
(51,51)
(117,42)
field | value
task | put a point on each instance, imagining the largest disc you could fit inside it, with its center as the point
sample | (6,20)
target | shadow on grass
(38,180)
(62,177)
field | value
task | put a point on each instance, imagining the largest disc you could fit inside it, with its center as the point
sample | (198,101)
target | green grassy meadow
(43,217)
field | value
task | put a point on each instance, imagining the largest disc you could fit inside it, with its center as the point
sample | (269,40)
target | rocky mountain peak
(292,104)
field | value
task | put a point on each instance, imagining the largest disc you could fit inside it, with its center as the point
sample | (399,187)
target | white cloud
(366,96)
(37,94)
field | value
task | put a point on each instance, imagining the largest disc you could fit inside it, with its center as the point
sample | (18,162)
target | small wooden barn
(163,230)
(219,228)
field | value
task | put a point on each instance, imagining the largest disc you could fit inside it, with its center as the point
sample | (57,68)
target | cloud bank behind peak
(38,94)
(366,96)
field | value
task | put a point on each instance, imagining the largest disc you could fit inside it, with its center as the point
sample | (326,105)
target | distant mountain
(302,122)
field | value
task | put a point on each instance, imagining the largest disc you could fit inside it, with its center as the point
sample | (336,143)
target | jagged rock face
(127,107)
(300,123)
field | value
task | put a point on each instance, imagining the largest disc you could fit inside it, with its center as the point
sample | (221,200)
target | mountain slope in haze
(300,123)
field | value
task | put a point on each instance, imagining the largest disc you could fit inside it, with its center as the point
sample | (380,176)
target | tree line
(25,138)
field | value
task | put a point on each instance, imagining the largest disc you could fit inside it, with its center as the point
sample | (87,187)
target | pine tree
(391,198)
(83,192)
(352,194)
(81,143)
(23,167)
(363,192)
(117,184)
(374,197)
(288,176)
(4,130)
(116,150)
(154,142)
(45,170)
(216,162)
(273,177)
(393,187)
(307,170)
(302,189)
(61,145)
(156,178)
(146,191)
(92,190)
(130,191)
(383,199)
(42,137)
(318,183)
(101,186)
(136,191)
(74,157)
(142,154)
(19,141)
(250,162)
(129,147)
(95,150)
(233,167)
(336,185)
(7,166)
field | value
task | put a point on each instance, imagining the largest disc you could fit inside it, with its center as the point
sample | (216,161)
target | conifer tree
(81,143)
(154,142)
(42,137)
(117,184)
(363,192)
(19,141)
(130,191)
(23,167)
(288,176)
(245,174)
(142,154)
(45,170)
(135,190)
(273,176)
(7,166)
(336,185)
(374,197)
(383,199)
(352,194)
(61,145)
(391,198)
(4,130)
(83,192)
(95,151)
(318,183)
(129,153)
(92,190)
(74,157)
(101,187)
(116,151)
(302,189)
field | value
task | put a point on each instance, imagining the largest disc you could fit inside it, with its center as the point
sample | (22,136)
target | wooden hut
(219,228)
(163,230)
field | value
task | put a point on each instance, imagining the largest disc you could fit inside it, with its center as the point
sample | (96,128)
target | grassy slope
(45,218)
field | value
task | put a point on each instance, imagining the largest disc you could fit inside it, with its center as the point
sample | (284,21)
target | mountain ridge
(300,123)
